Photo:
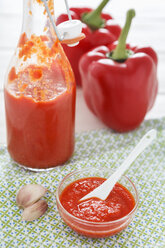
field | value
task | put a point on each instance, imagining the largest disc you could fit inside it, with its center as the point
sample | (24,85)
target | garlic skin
(35,211)
(29,194)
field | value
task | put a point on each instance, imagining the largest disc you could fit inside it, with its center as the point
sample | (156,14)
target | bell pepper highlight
(120,81)
(93,19)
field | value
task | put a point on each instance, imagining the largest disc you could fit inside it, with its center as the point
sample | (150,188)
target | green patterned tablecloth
(102,148)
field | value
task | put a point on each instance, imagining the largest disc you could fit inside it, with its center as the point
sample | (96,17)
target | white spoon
(105,188)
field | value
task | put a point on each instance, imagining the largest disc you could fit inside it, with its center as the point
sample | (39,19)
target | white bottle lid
(69,30)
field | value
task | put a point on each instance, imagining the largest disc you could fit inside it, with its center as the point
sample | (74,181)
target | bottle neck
(35,18)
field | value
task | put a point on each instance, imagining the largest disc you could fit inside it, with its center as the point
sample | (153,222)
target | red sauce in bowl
(93,217)
(117,205)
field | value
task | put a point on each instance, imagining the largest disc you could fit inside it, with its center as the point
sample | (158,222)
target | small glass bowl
(89,228)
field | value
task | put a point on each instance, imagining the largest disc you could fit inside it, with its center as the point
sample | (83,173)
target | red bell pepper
(99,28)
(120,82)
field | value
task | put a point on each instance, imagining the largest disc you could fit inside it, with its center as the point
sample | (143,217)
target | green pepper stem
(120,52)
(99,8)
(93,19)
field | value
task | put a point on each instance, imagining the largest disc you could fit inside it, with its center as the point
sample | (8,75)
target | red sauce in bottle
(40,135)
(40,106)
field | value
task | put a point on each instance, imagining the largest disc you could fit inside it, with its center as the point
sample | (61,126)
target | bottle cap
(70,30)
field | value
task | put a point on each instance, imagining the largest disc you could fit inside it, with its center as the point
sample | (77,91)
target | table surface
(147,29)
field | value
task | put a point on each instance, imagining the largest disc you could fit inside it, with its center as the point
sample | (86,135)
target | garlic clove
(29,194)
(35,211)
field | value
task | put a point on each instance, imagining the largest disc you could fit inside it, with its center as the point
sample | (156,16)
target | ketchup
(40,134)
(118,204)
(40,104)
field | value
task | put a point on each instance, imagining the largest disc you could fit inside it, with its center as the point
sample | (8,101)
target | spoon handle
(105,188)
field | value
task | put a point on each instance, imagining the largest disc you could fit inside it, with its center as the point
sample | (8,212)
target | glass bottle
(39,94)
